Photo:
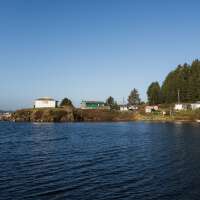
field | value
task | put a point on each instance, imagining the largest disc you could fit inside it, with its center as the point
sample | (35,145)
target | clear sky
(90,49)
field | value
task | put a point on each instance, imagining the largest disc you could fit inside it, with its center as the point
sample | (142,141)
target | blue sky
(93,48)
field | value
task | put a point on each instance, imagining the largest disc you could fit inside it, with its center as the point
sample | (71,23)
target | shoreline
(60,115)
(109,121)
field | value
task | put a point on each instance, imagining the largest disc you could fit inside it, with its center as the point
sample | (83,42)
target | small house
(149,109)
(45,102)
(180,106)
(94,105)
(133,108)
(127,108)
(123,107)
(5,115)
(195,106)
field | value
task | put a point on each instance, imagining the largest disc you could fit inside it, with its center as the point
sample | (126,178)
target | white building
(127,108)
(149,109)
(195,106)
(180,106)
(45,102)
(123,108)
(133,108)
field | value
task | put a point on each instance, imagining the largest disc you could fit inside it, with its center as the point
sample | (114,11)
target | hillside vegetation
(181,84)
(70,115)
(44,115)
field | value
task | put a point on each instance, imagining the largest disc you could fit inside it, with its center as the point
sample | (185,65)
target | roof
(45,99)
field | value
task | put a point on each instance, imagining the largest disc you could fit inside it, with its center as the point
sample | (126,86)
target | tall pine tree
(134,97)
(154,94)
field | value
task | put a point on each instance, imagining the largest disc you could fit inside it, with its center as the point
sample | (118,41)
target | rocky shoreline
(70,114)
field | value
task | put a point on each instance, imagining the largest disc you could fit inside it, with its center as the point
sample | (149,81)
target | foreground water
(94,161)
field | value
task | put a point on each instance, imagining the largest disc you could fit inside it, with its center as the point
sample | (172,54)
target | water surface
(99,161)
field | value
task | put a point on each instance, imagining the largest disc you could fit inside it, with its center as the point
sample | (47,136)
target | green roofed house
(94,105)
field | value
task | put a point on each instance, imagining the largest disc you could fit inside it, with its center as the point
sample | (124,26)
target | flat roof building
(45,102)
(94,105)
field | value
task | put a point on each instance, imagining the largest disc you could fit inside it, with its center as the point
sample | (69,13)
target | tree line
(133,99)
(181,84)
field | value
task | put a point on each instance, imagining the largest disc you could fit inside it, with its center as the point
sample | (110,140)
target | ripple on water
(99,161)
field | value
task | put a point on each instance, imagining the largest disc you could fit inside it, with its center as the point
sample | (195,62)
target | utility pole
(178,96)
(170,111)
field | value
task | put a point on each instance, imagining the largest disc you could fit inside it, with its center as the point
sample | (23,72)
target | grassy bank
(103,115)
(175,116)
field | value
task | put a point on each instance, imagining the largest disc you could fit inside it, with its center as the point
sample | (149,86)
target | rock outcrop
(44,115)
(70,114)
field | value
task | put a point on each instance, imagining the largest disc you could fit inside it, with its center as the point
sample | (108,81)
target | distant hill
(4,111)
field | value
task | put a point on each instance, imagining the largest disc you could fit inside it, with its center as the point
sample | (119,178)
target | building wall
(180,107)
(93,105)
(123,108)
(45,104)
(149,109)
(195,106)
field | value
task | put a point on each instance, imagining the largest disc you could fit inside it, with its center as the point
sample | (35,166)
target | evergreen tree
(112,103)
(185,81)
(177,81)
(134,97)
(194,81)
(154,93)
(66,102)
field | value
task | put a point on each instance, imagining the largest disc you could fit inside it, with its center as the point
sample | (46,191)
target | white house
(180,106)
(149,109)
(123,108)
(45,102)
(127,108)
(195,106)
(133,108)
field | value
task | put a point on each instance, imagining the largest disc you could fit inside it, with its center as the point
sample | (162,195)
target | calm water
(94,161)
